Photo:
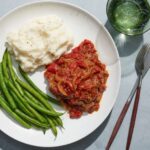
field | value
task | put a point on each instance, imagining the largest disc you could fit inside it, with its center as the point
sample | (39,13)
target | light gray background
(128,48)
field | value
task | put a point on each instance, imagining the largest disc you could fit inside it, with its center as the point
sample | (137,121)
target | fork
(140,67)
(141,54)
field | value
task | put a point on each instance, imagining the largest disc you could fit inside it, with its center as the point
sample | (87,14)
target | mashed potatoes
(39,42)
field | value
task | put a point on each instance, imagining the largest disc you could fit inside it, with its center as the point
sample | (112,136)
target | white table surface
(128,48)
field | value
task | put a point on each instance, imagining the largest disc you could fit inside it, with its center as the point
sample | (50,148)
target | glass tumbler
(131,17)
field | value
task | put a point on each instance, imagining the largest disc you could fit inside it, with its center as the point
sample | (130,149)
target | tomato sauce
(78,79)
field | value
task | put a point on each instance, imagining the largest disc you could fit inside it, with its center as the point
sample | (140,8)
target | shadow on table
(7,143)
(128,47)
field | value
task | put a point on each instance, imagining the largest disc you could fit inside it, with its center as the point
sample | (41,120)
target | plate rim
(110,38)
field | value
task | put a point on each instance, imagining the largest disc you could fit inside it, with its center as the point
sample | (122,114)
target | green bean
(32,111)
(5,90)
(54,121)
(32,98)
(28,97)
(57,121)
(4,66)
(39,128)
(5,106)
(43,110)
(47,106)
(30,82)
(35,113)
(36,101)
(20,104)
(34,93)
(39,108)
(44,131)
(54,130)
(19,96)
(13,74)
(33,121)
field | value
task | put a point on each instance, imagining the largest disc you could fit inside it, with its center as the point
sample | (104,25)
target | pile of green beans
(24,101)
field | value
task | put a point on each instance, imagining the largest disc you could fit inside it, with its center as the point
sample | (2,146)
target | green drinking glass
(131,17)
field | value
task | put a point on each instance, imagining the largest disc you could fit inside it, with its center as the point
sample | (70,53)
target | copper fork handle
(133,117)
(118,124)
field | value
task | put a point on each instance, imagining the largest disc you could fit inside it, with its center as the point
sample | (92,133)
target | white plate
(83,25)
